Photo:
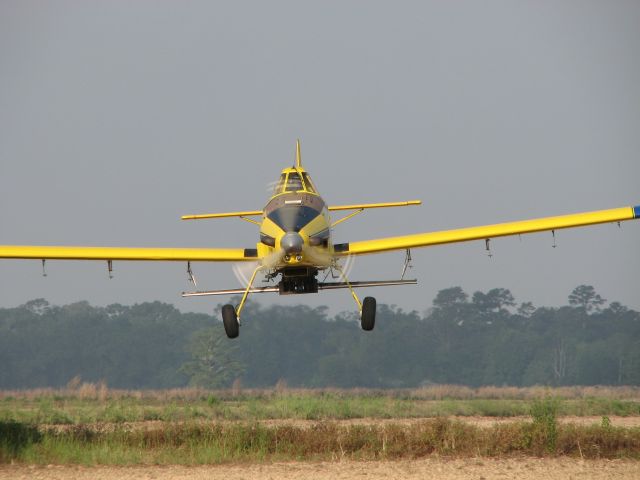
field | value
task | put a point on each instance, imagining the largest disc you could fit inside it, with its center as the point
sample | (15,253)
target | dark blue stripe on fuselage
(293,218)
(636,211)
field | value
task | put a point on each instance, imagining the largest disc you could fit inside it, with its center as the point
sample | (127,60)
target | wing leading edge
(128,253)
(488,231)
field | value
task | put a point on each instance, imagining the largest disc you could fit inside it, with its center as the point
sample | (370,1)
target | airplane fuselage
(295,232)
(293,222)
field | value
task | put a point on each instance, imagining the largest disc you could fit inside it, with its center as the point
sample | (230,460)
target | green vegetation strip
(73,410)
(192,443)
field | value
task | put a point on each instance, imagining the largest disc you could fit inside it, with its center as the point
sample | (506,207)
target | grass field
(90,424)
(90,403)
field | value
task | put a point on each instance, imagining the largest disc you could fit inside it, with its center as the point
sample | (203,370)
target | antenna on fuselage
(298,156)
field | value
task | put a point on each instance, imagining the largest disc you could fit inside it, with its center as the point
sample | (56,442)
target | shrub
(545,424)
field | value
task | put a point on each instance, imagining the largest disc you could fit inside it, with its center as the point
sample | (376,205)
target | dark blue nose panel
(636,211)
(293,218)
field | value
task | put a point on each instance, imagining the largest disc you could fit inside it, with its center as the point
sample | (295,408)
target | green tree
(585,296)
(495,300)
(450,297)
(526,309)
(213,364)
(617,308)
(39,306)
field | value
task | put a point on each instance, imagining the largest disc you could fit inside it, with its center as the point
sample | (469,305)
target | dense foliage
(483,339)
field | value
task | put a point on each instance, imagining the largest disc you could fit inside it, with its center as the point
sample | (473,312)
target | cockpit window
(280,184)
(308,184)
(294,182)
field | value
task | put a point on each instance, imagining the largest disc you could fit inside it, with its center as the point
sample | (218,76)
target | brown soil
(474,420)
(430,468)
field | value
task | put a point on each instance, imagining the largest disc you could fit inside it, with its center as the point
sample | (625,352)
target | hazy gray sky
(117,117)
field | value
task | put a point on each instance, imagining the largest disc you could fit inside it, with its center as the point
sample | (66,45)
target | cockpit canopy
(294,181)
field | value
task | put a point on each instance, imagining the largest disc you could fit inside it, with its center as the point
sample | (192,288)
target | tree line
(486,338)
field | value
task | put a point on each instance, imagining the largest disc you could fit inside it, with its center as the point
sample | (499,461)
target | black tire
(230,320)
(368,318)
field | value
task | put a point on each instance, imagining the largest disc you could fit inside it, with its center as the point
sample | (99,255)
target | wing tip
(636,211)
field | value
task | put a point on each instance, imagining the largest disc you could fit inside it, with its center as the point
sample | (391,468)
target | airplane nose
(292,243)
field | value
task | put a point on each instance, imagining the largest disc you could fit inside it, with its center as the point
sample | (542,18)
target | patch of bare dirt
(474,420)
(478,421)
(430,468)
(588,420)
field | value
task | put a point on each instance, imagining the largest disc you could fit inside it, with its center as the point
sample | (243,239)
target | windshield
(308,184)
(280,184)
(294,182)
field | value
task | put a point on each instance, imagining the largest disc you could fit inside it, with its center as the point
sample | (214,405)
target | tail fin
(298,156)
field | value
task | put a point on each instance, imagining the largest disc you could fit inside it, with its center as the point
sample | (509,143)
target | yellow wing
(249,213)
(362,206)
(127,253)
(488,231)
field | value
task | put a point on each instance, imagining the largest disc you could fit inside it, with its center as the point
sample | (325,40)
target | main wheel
(368,318)
(230,320)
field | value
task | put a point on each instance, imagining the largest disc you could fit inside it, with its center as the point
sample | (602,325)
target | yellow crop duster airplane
(295,244)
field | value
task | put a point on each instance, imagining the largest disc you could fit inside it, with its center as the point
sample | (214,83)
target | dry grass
(193,443)
(82,403)
(76,389)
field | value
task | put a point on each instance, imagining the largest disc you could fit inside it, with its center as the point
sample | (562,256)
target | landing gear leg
(231,315)
(367,308)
